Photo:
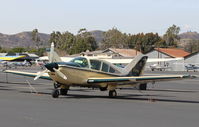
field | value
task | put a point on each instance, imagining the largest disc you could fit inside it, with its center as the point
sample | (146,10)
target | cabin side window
(112,70)
(95,64)
(105,67)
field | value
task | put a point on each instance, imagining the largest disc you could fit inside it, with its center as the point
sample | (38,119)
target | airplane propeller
(60,74)
(40,74)
(51,66)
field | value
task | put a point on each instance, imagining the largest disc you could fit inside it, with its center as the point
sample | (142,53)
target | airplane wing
(132,79)
(149,60)
(28,74)
(138,79)
(10,58)
(164,59)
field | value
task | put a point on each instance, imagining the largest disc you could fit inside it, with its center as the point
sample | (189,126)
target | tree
(67,41)
(17,50)
(171,36)
(41,51)
(55,37)
(83,41)
(114,39)
(72,44)
(82,30)
(36,38)
(88,39)
(2,49)
(192,46)
(145,42)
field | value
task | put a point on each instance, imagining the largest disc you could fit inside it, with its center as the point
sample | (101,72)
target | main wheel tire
(55,93)
(143,86)
(112,93)
(63,91)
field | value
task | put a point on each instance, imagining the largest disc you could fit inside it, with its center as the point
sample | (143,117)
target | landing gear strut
(103,88)
(62,91)
(112,93)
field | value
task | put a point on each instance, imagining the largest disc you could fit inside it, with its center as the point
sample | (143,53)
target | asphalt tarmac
(165,104)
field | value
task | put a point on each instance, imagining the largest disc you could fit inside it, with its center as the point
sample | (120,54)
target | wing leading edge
(138,79)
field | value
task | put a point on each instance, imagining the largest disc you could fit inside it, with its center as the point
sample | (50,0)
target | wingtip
(190,76)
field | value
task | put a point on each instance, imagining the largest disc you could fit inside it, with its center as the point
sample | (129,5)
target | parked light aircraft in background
(10,58)
(8,61)
(85,72)
(191,67)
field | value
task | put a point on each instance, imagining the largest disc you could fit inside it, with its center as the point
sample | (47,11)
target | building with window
(192,59)
(177,65)
(112,53)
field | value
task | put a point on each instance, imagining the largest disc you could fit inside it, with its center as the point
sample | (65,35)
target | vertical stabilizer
(52,55)
(136,66)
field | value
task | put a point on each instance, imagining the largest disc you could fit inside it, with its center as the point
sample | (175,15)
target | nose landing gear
(55,93)
(62,91)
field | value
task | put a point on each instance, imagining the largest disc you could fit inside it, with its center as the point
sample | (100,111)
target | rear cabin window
(111,70)
(105,67)
(95,64)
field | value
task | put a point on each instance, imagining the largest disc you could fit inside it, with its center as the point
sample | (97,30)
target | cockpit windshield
(81,61)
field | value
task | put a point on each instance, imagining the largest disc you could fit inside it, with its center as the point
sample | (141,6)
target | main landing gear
(56,92)
(143,86)
(112,93)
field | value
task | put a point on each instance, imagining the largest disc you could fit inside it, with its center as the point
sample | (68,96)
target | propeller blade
(40,74)
(60,74)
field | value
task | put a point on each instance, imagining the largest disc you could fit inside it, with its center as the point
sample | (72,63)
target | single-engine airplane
(9,60)
(85,72)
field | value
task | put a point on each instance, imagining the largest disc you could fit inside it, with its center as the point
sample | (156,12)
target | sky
(128,16)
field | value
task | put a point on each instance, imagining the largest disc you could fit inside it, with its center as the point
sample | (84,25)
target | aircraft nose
(50,66)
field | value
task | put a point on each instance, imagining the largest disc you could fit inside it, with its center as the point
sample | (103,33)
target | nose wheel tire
(112,93)
(55,93)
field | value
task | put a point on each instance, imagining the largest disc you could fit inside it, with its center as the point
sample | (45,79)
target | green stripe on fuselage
(136,79)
